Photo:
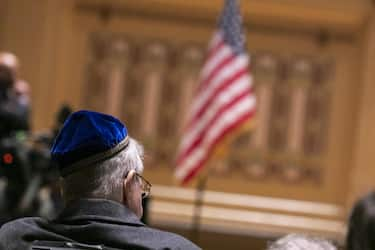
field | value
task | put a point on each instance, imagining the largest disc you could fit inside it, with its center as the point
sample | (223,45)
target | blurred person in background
(102,186)
(13,114)
(301,242)
(14,171)
(21,88)
(25,172)
(361,225)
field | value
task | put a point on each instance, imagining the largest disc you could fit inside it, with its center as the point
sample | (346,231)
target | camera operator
(14,170)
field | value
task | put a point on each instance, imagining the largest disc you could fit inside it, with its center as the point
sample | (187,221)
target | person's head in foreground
(98,159)
(301,242)
(102,186)
(361,225)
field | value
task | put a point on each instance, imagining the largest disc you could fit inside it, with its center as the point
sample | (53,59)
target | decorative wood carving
(156,82)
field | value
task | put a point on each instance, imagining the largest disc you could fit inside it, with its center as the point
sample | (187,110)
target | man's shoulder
(21,224)
(171,240)
(12,233)
(23,221)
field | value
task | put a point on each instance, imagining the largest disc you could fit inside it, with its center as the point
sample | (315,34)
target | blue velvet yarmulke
(87,137)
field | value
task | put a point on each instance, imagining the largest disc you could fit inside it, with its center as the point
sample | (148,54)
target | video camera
(25,167)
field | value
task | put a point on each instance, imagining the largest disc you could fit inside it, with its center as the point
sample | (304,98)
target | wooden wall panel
(362,173)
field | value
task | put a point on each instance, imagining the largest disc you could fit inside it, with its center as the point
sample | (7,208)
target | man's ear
(129,178)
(127,183)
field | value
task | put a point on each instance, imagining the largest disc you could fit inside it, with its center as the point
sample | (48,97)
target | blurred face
(10,61)
(132,193)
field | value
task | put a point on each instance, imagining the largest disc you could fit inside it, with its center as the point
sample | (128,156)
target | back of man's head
(301,242)
(104,179)
(98,159)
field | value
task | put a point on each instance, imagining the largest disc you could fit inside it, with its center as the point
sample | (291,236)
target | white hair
(301,242)
(104,179)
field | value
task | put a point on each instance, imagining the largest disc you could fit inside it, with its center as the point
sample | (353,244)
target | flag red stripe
(198,139)
(225,61)
(209,57)
(222,86)
(228,129)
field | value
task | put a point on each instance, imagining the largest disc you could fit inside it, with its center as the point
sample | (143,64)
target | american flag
(224,100)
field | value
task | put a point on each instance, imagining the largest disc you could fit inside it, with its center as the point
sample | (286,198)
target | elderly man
(103,188)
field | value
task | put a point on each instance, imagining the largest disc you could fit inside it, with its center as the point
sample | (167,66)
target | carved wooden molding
(157,88)
(336,17)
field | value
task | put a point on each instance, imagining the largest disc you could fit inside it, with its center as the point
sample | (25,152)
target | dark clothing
(91,221)
(14,116)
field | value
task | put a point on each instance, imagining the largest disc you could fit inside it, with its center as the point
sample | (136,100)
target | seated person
(361,226)
(103,188)
(301,242)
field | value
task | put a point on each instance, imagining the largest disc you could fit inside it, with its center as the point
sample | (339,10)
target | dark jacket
(91,221)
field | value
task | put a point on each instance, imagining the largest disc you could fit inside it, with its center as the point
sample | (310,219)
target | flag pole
(198,205)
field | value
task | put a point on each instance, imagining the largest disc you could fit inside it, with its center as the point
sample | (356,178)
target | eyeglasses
(145,186)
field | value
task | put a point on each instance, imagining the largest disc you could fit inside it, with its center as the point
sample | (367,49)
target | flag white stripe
(228,71)
(248,101)
(237,87)
(200,152)
(216,59)
(230,117)
(227,118)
